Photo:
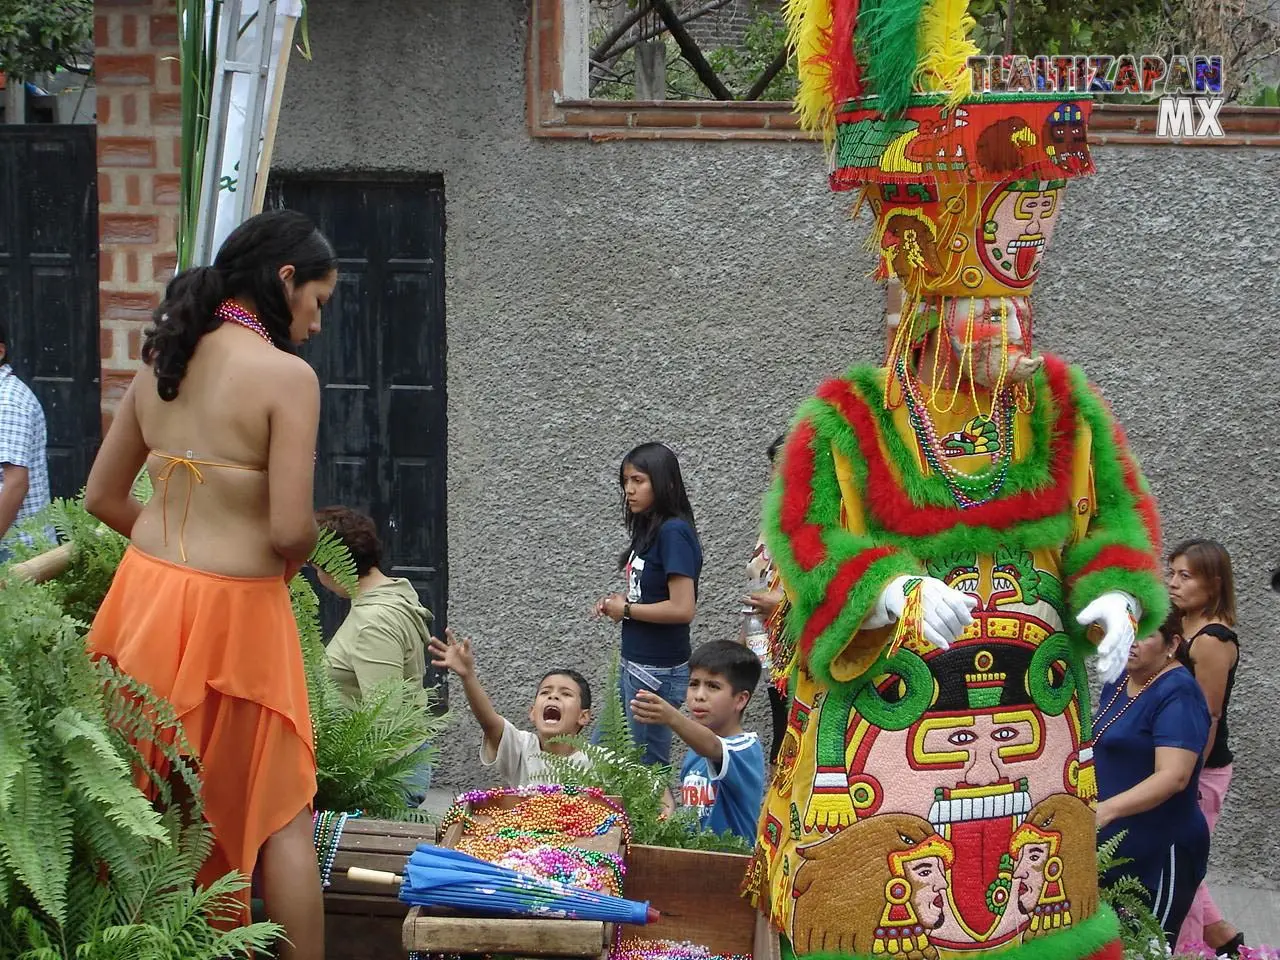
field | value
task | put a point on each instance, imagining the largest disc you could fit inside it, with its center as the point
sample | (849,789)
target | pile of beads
(326,831)
(545,812)
(631,948)
(585,869)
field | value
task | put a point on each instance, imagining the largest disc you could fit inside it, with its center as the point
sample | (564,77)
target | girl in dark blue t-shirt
(661,566)
(1149,735)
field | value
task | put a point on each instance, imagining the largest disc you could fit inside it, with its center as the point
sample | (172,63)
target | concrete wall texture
(600,295)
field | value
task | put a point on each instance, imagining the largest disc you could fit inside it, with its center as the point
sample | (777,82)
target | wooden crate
(363,922)
(432,930)
(697,894)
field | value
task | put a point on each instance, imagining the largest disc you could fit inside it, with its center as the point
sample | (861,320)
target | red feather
(845,74)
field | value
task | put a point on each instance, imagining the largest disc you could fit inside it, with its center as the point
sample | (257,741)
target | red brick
(131,267)
(114,383)
(135,344)
(163,267)
(737,119)
(1252,122)
(164,30)
(177,152)
(133,190)
(129,109)
(175,73)
(104,188)
(783,120)
(126,152)
(166,189)
(136,307)
(127,228)
(106,260)
(113,68)
(166,109)
(104,106)
(597,117)
(106,343)
(101,32)
(666,118)
(129,31)
(122,3)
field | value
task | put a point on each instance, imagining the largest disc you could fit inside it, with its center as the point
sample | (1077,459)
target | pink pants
(1204,912)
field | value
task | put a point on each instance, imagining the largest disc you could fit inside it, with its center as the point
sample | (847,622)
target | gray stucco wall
(602,295)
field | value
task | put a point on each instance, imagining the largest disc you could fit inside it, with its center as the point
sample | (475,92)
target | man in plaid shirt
(24,467)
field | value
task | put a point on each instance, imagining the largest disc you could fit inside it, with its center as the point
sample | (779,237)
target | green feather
(886,39)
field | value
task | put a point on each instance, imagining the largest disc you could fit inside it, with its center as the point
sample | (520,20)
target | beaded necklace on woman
(1170,663)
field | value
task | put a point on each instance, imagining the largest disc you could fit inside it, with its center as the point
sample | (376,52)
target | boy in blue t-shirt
(723,773)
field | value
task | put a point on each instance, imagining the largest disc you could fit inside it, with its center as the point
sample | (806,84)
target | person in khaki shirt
(385,634)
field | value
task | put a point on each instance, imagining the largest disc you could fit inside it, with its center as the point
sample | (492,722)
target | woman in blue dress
(1150,735)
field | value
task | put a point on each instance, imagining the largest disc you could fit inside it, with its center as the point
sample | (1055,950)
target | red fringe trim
(1120,557)
(797,498)
(895,510)
(850,572)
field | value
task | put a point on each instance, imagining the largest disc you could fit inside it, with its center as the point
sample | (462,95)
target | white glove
(1116,613)
(946,611)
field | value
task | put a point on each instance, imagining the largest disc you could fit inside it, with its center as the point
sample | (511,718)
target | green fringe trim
(1118,523)
(1030,473)
(1082,940)
(808,589)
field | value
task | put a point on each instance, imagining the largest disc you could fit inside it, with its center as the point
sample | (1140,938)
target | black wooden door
(381,361)
(49,285)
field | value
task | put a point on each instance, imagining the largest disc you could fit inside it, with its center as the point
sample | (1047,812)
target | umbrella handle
(380,877)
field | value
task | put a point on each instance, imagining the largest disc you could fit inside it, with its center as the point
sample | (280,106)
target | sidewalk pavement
(1255,911)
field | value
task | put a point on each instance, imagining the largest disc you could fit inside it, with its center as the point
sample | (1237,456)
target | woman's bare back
(209,450)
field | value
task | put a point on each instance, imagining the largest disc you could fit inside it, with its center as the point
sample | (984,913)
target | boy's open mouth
(551,713)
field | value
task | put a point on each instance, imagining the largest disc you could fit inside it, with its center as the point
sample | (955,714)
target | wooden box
(363,921)
(433,930)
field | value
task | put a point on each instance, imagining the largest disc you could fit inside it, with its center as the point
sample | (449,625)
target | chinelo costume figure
(955,532)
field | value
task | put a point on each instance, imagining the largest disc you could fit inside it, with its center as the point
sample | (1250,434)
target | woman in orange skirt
(224,417)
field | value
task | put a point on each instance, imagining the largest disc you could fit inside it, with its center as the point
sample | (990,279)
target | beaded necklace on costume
(231,312)
(1116,696)
(326,831)
(967,491)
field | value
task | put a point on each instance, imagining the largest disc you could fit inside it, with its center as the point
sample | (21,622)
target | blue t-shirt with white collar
(730,798)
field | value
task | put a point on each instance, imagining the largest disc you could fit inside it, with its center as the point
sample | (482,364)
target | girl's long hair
(248,265)
(1211,565)
(1171,634)
(670,500)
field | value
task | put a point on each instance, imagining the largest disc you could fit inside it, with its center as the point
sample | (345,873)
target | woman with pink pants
(1202,588)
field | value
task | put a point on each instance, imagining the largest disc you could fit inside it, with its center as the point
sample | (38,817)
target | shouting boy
(723,773)
(561,708)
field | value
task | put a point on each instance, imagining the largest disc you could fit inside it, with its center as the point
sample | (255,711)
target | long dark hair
(248,265)
(659,463)
(1171,633)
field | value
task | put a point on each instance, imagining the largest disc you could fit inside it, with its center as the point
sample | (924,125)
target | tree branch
(772,70)
(604,48)
(689,48)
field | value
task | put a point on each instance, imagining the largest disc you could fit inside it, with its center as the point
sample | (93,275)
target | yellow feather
(945,48)
(809,26)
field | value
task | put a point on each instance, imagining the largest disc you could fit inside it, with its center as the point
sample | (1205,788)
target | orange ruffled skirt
(225,652)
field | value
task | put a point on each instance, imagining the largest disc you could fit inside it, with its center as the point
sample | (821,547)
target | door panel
(49,285)
(381,361)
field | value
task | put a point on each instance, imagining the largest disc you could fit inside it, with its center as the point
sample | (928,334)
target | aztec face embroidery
(963,767)
(1065,139)
(1016,223)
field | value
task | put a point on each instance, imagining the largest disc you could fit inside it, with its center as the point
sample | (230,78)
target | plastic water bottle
(752,632)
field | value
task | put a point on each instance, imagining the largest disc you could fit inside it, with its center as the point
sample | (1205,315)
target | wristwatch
(626,611)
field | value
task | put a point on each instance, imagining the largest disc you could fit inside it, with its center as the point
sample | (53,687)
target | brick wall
(139,139)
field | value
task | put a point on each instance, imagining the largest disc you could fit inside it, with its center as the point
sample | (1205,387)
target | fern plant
(88,868)
(1140,931)
(366,753)
(617,767)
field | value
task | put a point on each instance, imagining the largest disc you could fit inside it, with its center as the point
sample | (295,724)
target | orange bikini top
(192,466)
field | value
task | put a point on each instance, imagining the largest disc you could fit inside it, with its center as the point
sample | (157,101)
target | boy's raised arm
(648,707)
(449,654)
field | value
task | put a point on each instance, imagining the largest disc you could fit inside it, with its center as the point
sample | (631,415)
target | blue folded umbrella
(440,876)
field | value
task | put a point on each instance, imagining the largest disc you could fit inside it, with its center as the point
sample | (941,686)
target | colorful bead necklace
(1122,686)
(231,312)
(326,831)
(586,869)
(967,491)
(633,948)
